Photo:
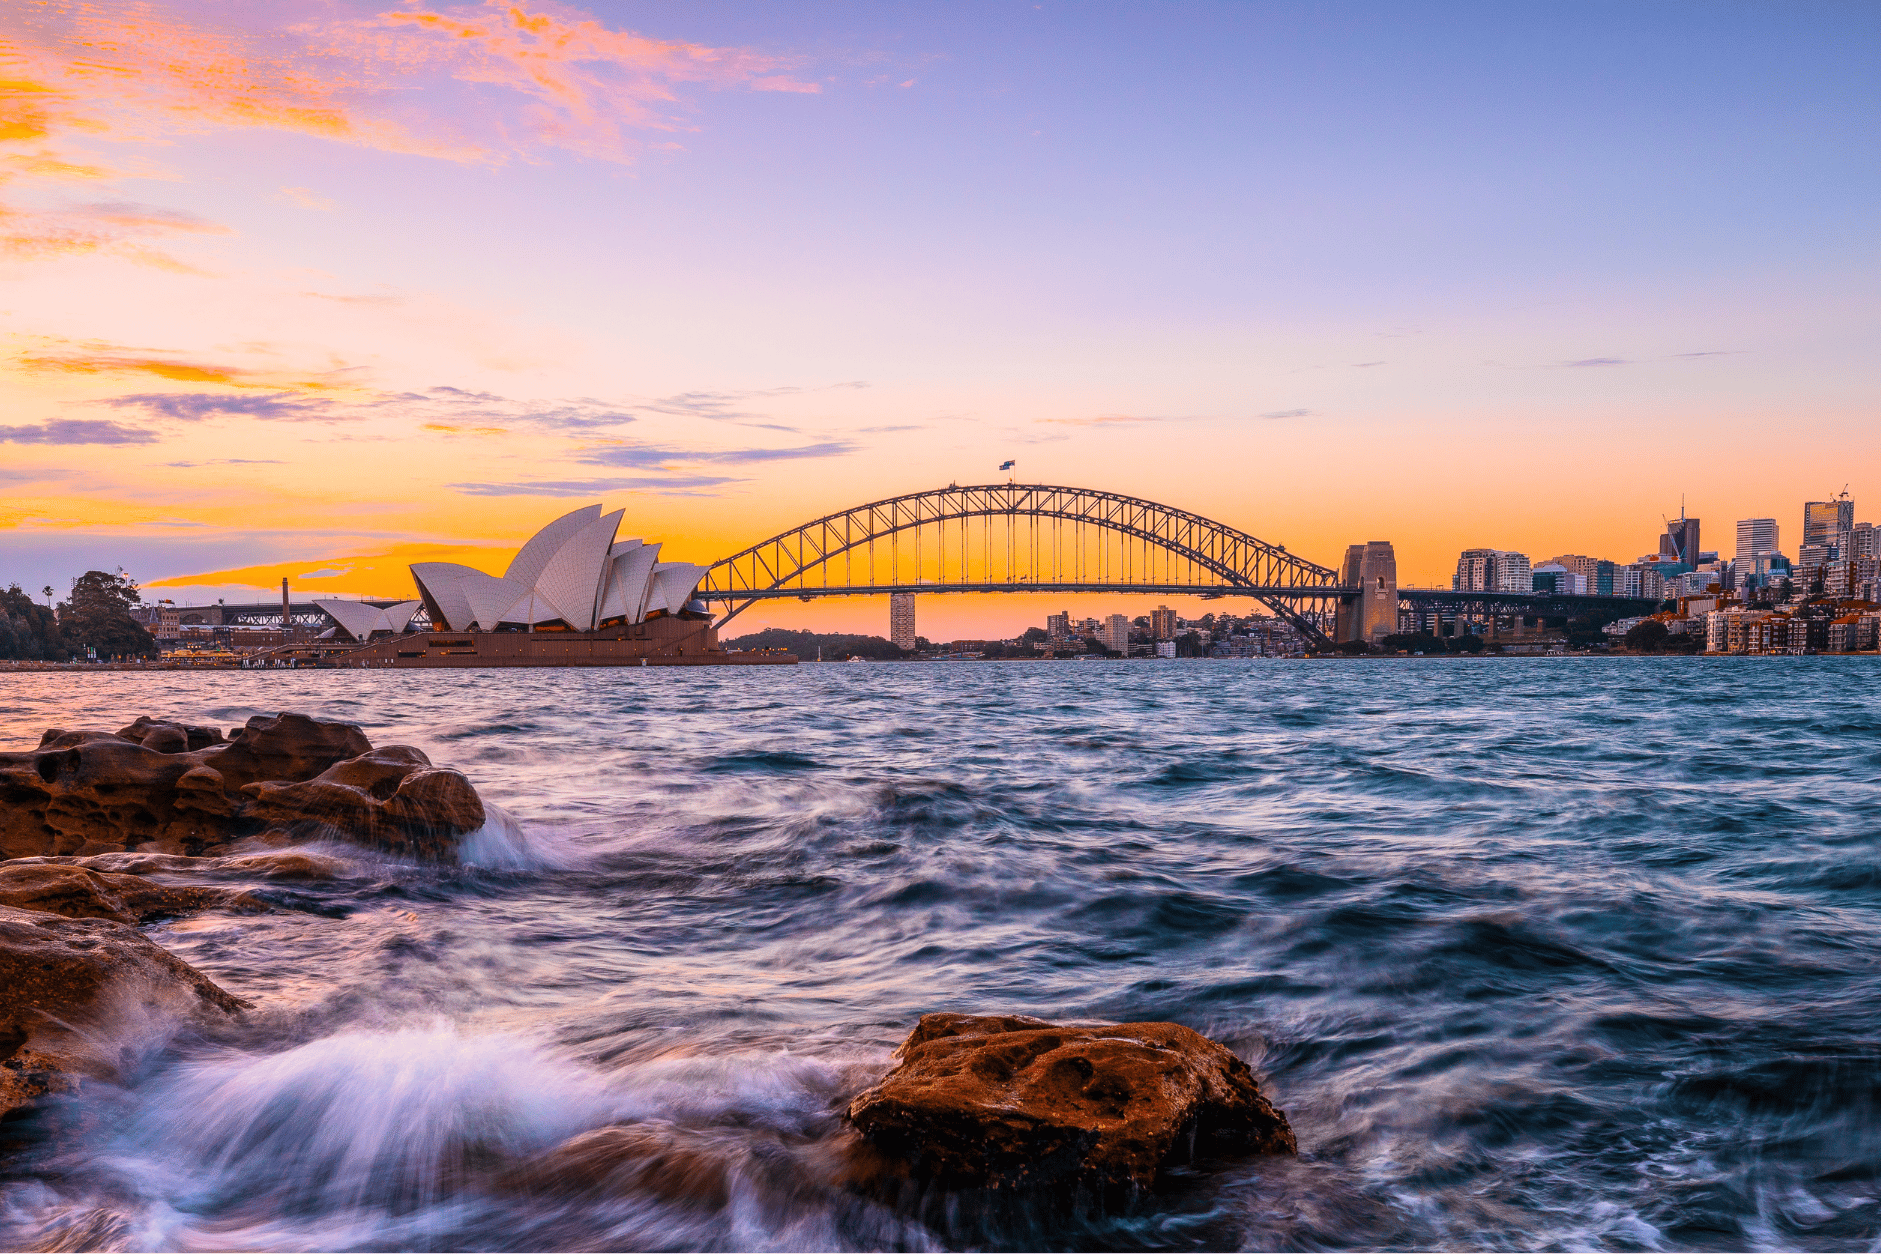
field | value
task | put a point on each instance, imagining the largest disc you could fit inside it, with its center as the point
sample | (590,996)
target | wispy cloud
(650,456)
(675,485)
(1597,361)
(229,461)
(1101,420)
(77,431)
(305,197)
(196,406)
(1715,352)
(1288,413)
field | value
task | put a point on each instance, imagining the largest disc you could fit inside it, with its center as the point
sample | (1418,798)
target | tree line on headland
(95,621)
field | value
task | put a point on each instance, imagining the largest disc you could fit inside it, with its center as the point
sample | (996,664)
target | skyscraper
(901,619)
(1754,536)
(1680,541)
(1829,522)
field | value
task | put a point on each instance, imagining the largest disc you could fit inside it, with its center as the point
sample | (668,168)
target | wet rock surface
(173,788)
(1009,1103)
(77,994)
(77,892)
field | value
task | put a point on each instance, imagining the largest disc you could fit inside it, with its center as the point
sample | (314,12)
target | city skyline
(351,282)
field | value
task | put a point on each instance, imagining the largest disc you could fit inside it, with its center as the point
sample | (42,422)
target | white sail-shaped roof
(442,584)
(571,582)
(360,620)
(532,557)
(572,572)
(673,583)
(624,592)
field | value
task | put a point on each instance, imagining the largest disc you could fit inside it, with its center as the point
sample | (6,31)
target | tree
(98,617)
(1648,636)
(31,632)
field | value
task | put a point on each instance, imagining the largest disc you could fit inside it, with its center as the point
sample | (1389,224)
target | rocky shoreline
(979,1111)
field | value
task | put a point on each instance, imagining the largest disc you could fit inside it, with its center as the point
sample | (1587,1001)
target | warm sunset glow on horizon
(316,290)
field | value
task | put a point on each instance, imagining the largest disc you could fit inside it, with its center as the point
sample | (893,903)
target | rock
(81,893)
(160,787)
(159,734)
(392,797)
(624,1159)
(78,995)
(1012,1103)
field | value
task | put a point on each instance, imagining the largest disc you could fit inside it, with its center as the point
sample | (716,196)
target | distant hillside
(836,645)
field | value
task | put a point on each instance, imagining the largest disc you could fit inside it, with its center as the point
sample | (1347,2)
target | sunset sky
(317,289)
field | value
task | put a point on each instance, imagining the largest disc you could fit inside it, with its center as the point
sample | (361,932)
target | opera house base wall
(657,642)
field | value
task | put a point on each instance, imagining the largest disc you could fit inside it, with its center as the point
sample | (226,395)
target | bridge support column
(1373,614)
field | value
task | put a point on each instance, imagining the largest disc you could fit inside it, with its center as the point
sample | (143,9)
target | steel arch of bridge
(1117,544)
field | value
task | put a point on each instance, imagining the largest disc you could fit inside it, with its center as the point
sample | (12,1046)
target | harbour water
(1536,954)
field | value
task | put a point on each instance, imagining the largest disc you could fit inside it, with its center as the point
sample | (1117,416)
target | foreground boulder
(80,997)
(162,787)
(1012,1103)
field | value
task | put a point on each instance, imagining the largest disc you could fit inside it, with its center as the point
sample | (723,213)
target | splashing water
(1535,953)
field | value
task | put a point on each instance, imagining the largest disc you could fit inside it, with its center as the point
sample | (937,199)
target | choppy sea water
(1536,954)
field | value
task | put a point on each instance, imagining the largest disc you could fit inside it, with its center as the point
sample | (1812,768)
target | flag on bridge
(1006,465)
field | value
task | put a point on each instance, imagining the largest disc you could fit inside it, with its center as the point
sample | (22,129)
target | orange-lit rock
(1013,1103)
(84,792)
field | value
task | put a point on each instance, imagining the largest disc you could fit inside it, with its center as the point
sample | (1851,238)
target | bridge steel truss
(1013,537)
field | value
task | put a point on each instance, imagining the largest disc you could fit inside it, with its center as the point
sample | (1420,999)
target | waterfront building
(1166,648)
(1163,623)
(901,619)
(1058,628)
(571,576)
(1116,634)
(1558,579)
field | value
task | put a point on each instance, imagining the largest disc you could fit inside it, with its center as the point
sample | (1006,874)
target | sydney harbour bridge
(1017,537)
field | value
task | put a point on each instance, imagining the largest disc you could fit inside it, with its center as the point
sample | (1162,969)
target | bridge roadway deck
(1544,604)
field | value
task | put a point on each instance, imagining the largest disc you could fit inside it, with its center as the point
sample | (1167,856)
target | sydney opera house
(574,595)
(573,575)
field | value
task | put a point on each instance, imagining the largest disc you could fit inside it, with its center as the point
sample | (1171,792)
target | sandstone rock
(81,893)
(159,787)
(1012,1103)
(77,995)
(392,797)
(160,734)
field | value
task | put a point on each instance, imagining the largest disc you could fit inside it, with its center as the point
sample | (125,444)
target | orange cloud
(127,72)
(370,574)
(60,357)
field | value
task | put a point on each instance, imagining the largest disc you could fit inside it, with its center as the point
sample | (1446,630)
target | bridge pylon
(1371,615)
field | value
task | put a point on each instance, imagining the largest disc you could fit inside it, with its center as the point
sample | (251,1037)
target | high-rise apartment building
(1862,542)
(1163,623)
(1754,536)
(1058,627)
(901,619)
(1117,634)
(1492,570)
(1829,522)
